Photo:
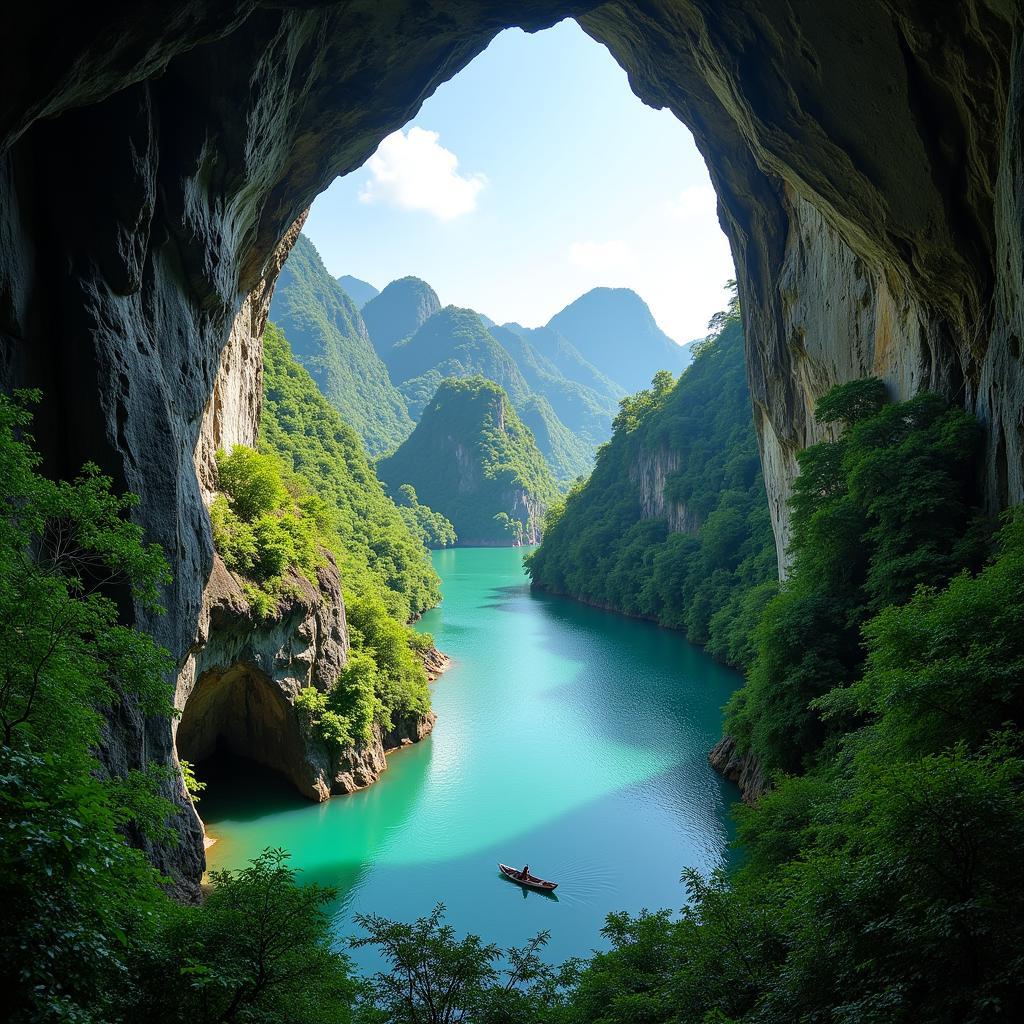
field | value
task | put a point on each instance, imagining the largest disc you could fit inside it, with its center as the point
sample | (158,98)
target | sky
(532,176)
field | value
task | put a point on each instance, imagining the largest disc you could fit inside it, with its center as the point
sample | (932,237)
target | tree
(70,886)
(437,978)
(258,950)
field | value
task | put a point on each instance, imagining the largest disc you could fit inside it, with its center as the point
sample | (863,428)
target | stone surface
(743,769)
(868,158)
(648,474)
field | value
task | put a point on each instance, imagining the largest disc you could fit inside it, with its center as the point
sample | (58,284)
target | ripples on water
(567,737)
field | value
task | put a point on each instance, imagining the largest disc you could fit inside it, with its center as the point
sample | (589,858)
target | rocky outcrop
(435,664)
(743,769)
(649,474)
(240,681)
(868,159)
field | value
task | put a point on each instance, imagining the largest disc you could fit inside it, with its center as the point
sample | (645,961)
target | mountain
(455,343)
(473,460)
(359,291)
(567,359)
(329,338)
(452,343)
(584,410)
(614,330)
(398,311)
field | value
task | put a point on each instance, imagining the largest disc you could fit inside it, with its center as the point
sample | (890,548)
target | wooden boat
(529,882)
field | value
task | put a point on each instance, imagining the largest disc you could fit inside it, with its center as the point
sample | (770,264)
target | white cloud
(608,255)
(696,202)
(415,172)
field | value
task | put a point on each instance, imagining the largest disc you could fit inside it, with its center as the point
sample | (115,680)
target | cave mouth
(239,713)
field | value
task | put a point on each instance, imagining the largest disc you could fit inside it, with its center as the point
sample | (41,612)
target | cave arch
(241,710)
(868,159)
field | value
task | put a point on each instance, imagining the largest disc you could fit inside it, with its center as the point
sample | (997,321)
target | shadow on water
(661,709)
(510,599)
(591,859)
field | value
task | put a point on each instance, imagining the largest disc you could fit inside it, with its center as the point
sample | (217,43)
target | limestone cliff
(868,159)
(649,473)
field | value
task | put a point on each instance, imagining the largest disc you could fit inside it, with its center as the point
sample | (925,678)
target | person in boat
(525,873)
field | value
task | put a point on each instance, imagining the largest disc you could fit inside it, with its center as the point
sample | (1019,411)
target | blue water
(567,737)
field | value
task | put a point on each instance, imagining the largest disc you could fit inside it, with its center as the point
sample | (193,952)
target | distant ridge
(613,329)
(359,291)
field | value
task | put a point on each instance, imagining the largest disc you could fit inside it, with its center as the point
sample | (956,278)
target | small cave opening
(238,714)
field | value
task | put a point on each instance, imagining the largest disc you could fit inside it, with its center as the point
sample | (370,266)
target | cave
(240,711)
(155,166)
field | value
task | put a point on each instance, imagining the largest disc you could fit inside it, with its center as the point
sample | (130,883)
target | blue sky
(531,177)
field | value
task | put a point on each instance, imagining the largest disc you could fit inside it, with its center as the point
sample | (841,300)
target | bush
(267,524)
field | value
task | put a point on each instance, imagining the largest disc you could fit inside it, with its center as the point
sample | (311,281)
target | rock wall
(648,474)
(868,158)
(743,769)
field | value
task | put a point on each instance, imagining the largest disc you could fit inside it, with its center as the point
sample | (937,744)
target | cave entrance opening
(238,712)
(530,179)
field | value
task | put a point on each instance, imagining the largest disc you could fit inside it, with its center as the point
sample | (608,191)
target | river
(567,737)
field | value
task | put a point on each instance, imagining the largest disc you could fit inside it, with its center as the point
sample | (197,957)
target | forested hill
(615,331)
(359,291)
(381,551)
(472,459)
(455,342)
(673,523)
(329,338)
(399,310)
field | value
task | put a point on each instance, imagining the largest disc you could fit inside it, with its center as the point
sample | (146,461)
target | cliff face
(649,473)
(868,158)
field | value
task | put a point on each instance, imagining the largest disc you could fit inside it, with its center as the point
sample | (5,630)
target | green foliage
(949,664)
(70,887)
(887,506)
(437,978)
(257,951)
(386,574)
(376,550)
(330,340)
(193,786)
(267,525)
(471,458)
(431,527)
(712,577)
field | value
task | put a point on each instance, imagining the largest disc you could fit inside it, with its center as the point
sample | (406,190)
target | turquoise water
(567,737)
